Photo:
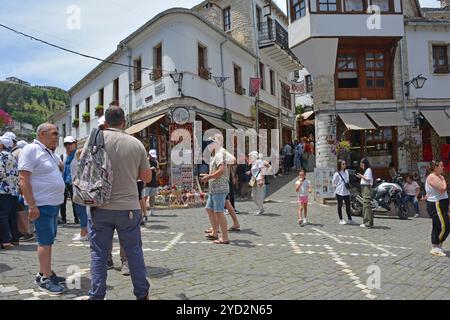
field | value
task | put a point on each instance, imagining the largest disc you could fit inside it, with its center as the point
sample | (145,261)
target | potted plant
(341,148)
(86,117)
(76,123)
(99,110)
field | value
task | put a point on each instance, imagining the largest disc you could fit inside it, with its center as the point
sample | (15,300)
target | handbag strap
(256,178)
(342,177)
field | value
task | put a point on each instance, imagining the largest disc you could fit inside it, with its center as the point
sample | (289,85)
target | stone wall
(445,4)
(241,19)
(213,13)
(324,105)
(408,8)
(437,14)
(398,84)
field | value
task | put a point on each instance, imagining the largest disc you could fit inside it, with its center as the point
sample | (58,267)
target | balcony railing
(273,31)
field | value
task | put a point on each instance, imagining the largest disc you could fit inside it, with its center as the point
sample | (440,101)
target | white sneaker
(259,212)
(351,222)
(417,216)
(342,222)
(363,226)
(437,252)
(305,223)
(79,237)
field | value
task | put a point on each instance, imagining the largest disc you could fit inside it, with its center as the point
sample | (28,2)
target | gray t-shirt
(128,158)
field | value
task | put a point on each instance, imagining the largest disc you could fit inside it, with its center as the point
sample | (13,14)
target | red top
(308,148)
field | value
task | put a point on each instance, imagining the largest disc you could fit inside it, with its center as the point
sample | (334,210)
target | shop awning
(143,125)
(219,124)
(388,119)
(238,126)
(356,121)
(439,120)
(307,115)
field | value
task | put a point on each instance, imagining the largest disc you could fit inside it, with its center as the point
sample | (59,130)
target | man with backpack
(119,209)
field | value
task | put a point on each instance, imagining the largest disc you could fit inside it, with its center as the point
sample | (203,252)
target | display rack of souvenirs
(175,197)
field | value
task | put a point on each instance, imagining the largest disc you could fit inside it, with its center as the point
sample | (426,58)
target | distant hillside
(32,105)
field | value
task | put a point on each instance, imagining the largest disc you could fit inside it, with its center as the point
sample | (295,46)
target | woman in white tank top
(437,207)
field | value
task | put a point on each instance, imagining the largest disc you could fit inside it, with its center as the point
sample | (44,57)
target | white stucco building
(230,39)
(427,53)
(360,63)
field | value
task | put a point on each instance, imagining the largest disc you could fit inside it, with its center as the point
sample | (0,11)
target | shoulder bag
(347,184)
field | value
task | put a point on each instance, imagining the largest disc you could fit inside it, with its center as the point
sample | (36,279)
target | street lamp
(177,78)
(418,83)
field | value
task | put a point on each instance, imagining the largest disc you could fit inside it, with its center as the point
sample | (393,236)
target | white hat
(217,138)
(7,142)
(101,121)
(69,139)
(22,144)
(10,135)
(153,153)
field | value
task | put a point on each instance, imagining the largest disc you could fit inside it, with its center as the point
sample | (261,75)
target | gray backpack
(92,185)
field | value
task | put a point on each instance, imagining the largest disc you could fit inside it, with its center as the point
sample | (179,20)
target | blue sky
(104,23)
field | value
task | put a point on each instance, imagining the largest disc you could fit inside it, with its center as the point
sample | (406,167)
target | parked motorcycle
(384,194)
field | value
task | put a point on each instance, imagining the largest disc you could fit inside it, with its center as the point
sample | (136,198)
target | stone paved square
(271,258)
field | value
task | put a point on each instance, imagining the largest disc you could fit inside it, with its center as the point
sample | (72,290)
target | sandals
(7,246)
(211,237)
(233,229)
(210,230)
(221,242)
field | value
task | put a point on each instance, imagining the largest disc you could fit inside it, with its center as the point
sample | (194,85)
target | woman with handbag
(341,183)
(257,183)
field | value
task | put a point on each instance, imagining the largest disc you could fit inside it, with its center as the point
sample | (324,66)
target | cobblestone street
(271,258)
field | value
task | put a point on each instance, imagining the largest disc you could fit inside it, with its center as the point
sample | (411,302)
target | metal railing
(273,31)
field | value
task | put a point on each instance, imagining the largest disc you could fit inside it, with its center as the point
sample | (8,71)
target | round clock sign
(180,115)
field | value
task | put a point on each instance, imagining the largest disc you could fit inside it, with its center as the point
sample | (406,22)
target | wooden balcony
(274,41)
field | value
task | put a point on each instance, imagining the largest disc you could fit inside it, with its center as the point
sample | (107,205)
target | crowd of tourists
(36,183)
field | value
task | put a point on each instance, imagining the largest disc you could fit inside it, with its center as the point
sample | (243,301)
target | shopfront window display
(379,146)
